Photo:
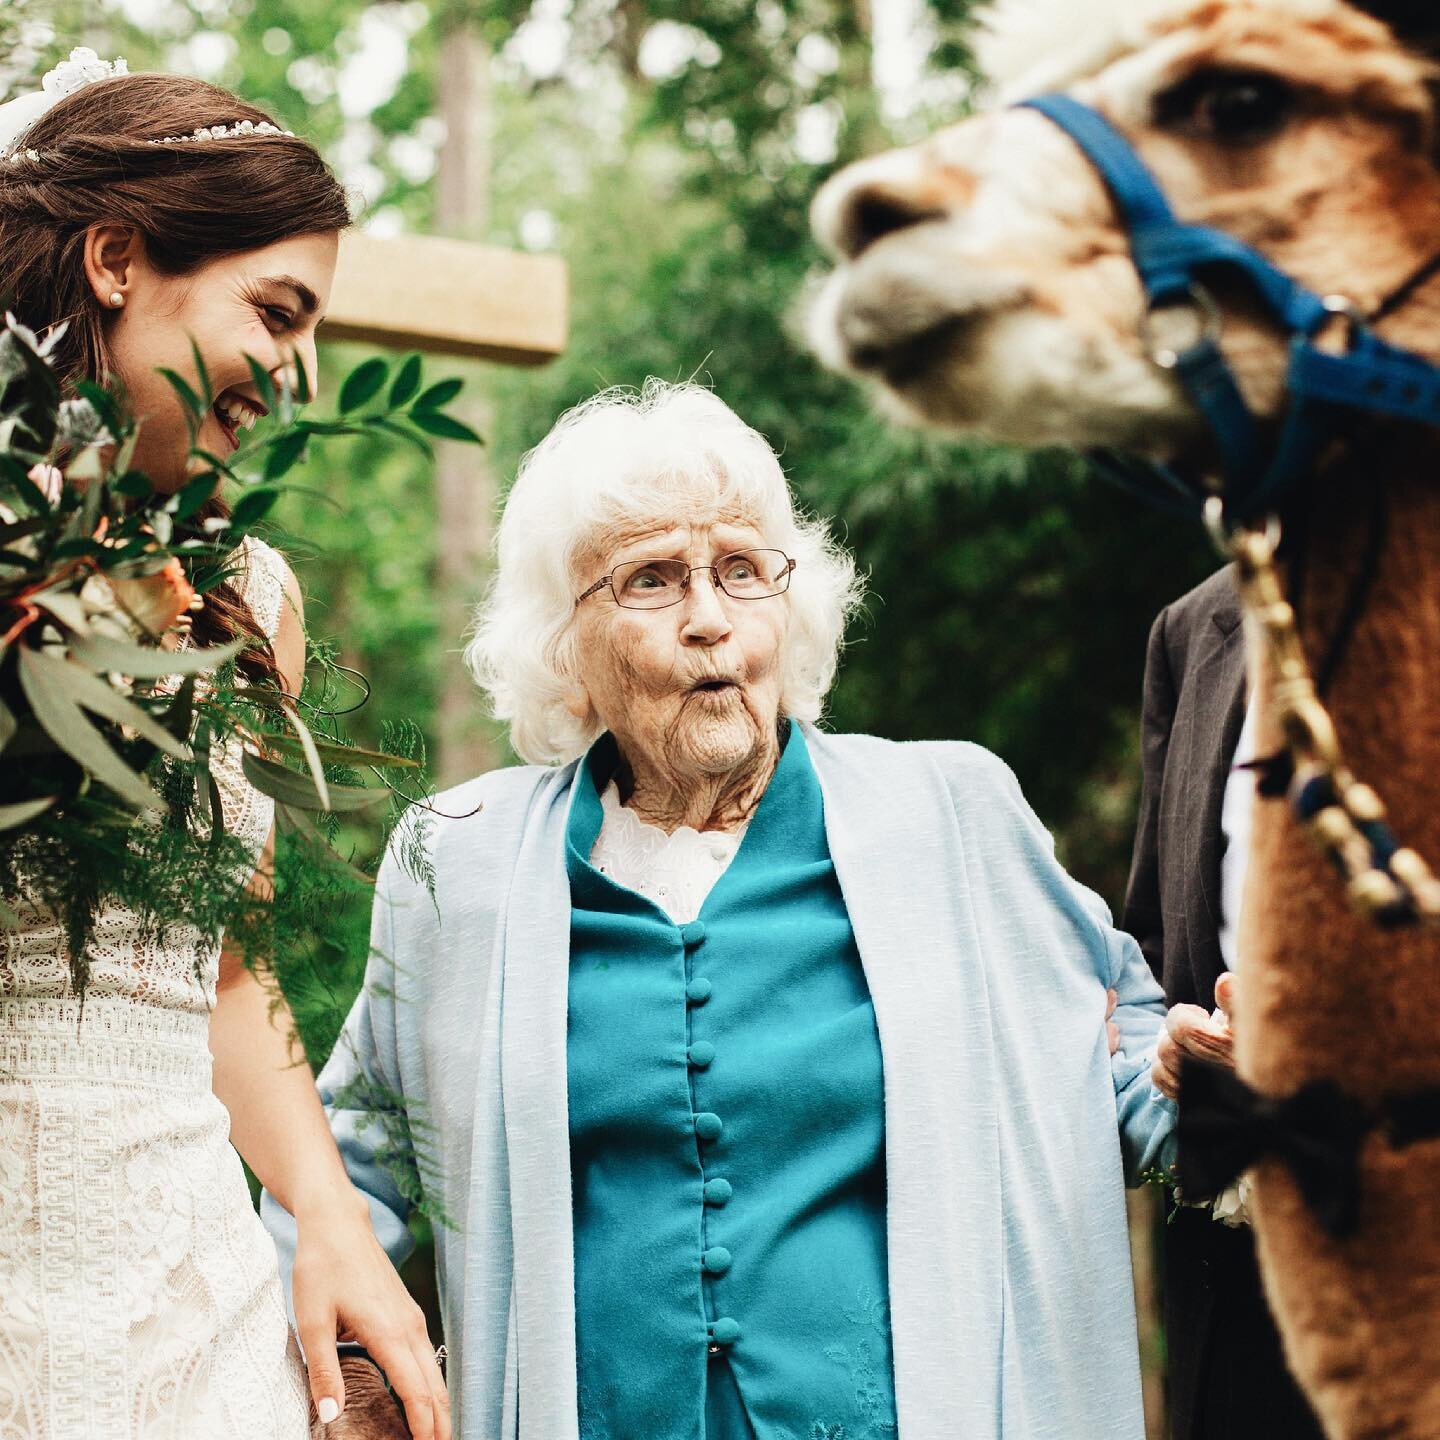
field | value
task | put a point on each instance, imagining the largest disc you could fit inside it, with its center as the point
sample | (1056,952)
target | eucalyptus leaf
(445,427)
(194,406)
(405,384)
(363,383)
(302,821)
(63,721)
(26,810)
(188,500)
(179,719)
(442,392)
(133,485)
(304,390)
(66,607)
(202,375)
(19,529)
(333,754)
(29,493)
(87,466)
(8,725)
(284,454)
(264,385)
(312,755)
(255,504)
(71,549)
(83,687)
(290,788)
(148,662)
(409,436)
(125,455)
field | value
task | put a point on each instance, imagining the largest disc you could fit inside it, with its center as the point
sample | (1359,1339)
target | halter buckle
(1209,324)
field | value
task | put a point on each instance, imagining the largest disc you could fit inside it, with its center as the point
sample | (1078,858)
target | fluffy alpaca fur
(983,286)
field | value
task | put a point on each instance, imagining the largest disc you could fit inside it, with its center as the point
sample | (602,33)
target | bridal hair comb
(84,67)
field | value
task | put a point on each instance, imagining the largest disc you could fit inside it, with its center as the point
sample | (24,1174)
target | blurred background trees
(669,149)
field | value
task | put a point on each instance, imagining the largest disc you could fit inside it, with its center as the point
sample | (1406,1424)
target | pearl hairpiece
(84,67)
(224,132)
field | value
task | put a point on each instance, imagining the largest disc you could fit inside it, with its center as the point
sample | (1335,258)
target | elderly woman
(763,1071)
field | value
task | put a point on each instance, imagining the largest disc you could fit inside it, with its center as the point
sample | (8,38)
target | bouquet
(110,716)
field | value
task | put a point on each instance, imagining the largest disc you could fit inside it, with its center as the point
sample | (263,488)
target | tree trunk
(464,483)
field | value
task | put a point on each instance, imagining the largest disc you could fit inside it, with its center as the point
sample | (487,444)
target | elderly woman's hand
(345,1287)
(1190,1031)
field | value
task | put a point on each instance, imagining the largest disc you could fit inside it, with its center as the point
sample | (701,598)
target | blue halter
(1170,257)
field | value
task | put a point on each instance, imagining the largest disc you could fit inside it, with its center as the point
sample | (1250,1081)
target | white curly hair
(626,458)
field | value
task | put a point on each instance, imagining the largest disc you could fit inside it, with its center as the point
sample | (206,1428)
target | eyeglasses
(654,584)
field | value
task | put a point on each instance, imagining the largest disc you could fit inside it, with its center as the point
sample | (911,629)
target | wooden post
(465,489)
(449,297)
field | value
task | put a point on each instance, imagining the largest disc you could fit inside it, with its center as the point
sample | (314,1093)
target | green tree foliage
(670,148)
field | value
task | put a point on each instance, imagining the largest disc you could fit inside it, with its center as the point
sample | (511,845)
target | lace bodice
(676,870)
(139,1295)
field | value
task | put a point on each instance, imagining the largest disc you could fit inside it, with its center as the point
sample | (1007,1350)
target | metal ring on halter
(1342,307)
(1209,318)
(1222,534)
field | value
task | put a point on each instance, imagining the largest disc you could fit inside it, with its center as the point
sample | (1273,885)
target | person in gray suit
(1227,1375)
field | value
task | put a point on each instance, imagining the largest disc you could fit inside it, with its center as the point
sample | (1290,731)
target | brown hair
(192,201)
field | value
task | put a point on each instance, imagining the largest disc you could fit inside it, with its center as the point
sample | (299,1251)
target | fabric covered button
(716,1260)
(697,992)
(702,1052)
(725,1331)
(708,1125)
(717,1192)
(693,932)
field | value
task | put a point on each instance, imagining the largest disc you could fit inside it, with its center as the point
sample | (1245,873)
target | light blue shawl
(1010,1286)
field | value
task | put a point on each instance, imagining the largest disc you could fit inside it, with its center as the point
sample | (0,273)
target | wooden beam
(449,297)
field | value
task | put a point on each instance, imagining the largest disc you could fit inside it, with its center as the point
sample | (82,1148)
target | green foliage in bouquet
(110,718)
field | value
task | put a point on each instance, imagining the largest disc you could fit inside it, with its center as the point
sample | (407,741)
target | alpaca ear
(1415,22)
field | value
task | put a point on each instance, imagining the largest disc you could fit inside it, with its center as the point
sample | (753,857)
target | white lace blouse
(677,871)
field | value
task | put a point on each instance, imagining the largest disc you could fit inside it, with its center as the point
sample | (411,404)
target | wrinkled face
(983,282)
(692,689)
(263,303)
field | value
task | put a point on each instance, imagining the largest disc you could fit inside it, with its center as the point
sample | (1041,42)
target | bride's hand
(346,1288)
(371,1411)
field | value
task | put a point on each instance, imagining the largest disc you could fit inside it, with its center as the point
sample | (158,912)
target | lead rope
(1384,881)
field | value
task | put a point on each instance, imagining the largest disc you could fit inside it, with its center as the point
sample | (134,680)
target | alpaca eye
(1236,107)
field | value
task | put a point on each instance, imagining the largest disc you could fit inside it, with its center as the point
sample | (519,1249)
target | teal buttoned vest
(727,1143)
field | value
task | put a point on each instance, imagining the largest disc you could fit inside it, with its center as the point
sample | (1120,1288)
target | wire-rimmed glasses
(654,584)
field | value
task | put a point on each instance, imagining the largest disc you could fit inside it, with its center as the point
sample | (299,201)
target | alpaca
(984,285)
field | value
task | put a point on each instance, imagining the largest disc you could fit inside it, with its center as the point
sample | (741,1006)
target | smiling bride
(139,1293)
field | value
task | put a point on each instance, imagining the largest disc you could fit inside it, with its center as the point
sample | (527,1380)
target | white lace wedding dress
(139,1294)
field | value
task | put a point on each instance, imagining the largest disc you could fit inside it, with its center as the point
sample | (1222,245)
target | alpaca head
(983,281)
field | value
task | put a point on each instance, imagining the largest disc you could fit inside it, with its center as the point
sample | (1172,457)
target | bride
(139,1295)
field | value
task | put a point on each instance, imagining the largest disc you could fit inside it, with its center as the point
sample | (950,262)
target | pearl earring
(116,299)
